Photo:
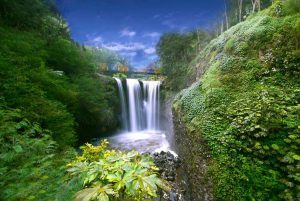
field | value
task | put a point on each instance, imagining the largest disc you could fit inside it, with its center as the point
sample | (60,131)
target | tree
(240,6)
(226,15)
(255,4)
(176,51)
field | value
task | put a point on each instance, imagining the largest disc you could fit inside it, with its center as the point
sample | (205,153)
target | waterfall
(135,105)
(124,114)
(151,91)
(141,114)
(143,105)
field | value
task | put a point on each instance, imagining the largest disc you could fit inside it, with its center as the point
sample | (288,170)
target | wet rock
(195,156)
(167,163)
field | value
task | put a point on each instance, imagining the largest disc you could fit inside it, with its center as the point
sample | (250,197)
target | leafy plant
(114,175)
(31,165)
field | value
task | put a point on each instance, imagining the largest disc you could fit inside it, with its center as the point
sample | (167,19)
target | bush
(31,165)
(292,6)
(229,46)
(114,175)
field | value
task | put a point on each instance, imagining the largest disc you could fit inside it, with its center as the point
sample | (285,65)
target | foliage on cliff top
(247,107)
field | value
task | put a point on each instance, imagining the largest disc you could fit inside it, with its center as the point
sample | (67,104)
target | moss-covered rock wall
(238,124)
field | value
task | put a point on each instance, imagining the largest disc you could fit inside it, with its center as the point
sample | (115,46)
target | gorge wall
(193,151)
(236,126)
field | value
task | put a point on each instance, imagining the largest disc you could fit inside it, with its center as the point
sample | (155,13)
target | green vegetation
(246,106)
(120,75)
(31,161)
(51,98)
(52,79)
(176,51)
(114,175)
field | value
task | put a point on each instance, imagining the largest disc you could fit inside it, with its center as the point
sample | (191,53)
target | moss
(210,79)
(247,102)
(229,45)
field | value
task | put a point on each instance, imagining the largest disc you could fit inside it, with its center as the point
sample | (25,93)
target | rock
(173,196)
(167,163)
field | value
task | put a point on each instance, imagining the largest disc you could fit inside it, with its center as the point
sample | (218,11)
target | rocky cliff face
(166,116)
(192,149)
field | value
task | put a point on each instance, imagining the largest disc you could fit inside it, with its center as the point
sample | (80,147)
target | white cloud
(183,29)
(97,39)
(156,16)
(124,47)
(150,50)
(127,33)
(173,25)
(152,34)
(169,23)
(128,54)
(93,39)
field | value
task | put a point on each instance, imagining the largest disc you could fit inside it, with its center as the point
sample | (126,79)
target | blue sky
(133,27)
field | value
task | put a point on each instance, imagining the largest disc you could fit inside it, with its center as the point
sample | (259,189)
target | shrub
(292,6)
(114,175)
(229,46)
(31,165)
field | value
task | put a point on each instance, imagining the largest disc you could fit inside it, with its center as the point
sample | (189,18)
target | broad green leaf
(18,148)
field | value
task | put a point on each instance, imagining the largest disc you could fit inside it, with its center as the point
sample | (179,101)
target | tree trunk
(222,27)
(240,9)
(226,16)
(198,41)
(253,5)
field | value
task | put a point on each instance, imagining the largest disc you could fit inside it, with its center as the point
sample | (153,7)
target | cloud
(169,23)
(183,29)
(175,26)
(156,16)
(97,39)
(127,33)
(152,34)
(124,46)
(170,15)
(94,39)
(150,50)
(128,54)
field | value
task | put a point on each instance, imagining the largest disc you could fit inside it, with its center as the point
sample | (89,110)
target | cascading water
(136,117)
(141,116)
(151,93)
(124,113)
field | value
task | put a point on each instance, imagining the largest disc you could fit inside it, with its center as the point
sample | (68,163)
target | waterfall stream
(140,116)
(124,113)
(151,93)
(135,100)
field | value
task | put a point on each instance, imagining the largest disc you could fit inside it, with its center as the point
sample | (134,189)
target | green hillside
(246,107)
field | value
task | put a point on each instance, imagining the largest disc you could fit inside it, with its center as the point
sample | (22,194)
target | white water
(135,105)
(142,117)
(124,114)
(151,91)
